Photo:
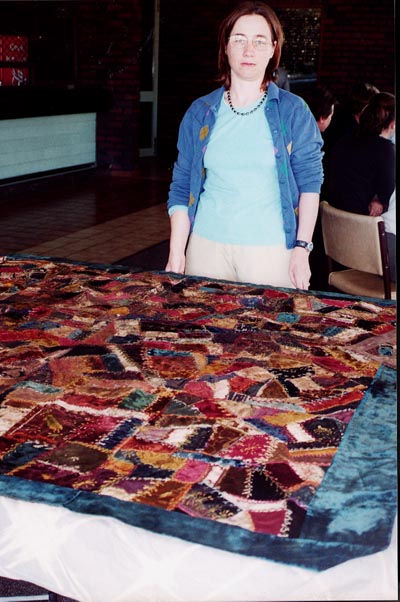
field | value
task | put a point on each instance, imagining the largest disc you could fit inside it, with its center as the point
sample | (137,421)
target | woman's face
(250,48)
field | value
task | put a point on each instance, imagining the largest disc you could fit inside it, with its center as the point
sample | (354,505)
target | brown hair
(320,100)
(249,7)
(360,96)
(378,114)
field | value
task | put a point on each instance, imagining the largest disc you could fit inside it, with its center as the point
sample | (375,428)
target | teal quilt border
(351,515)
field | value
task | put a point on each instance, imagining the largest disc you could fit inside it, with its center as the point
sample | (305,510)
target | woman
(245,187)
(361,168)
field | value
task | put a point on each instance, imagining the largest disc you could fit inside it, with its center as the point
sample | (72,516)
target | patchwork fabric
(210,410)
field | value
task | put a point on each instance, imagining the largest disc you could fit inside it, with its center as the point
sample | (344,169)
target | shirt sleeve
(306,155)
(173,208)
(179,191)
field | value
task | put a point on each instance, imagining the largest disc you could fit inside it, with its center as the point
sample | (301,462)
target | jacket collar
(213,100)
(273,91)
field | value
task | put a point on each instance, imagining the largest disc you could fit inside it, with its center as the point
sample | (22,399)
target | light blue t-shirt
(241,182)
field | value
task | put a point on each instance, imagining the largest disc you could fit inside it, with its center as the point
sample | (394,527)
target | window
(300,51)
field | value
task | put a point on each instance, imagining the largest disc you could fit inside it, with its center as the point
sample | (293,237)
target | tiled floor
(96,217)
(88,216)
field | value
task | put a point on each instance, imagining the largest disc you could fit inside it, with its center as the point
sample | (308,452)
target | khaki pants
(268,265)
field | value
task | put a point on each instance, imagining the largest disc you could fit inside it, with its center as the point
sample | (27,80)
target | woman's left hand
(299,268)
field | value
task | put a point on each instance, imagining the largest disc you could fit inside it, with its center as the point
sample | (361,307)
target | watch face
(310,246)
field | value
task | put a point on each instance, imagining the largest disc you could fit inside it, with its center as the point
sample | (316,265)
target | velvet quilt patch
(258,420)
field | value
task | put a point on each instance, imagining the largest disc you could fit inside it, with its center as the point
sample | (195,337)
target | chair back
(358,243)
(353,240)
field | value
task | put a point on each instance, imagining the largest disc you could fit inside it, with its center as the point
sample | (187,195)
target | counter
(44,130)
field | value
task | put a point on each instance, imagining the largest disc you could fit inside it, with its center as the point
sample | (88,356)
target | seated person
(360,171)
(389,217)
(322,102)
(346,118)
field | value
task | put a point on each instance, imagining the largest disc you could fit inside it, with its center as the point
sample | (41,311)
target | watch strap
(304,244)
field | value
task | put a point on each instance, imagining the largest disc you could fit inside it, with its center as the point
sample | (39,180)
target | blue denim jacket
(297,144)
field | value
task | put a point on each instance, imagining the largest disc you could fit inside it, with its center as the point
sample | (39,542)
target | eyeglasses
(240,41)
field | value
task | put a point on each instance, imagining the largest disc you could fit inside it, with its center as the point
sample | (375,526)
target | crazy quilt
(254,419)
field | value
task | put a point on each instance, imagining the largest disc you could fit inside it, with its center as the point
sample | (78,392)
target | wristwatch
(306,245)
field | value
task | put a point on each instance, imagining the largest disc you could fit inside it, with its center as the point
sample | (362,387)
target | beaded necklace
(228,95)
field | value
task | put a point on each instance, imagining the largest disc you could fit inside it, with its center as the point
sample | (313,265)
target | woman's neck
(244,94)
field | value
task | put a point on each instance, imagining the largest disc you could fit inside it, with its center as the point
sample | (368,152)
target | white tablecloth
(100,559)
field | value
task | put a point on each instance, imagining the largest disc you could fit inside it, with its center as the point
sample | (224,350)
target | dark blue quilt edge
(310,554)
(321,544)
(357,500)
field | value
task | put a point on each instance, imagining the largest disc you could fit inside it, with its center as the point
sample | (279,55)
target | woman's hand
(176,263)
(299,268)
